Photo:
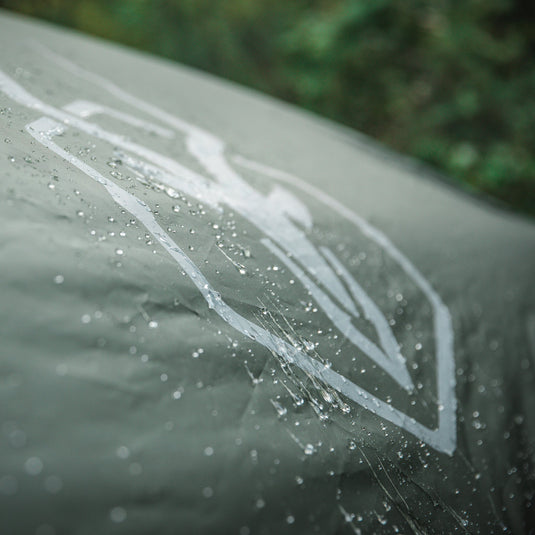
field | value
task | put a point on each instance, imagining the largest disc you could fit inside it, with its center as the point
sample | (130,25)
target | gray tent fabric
(220,314)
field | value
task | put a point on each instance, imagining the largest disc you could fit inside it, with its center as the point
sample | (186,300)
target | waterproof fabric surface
(220,314)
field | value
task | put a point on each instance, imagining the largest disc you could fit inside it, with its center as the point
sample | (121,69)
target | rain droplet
(118,515)
(309,449)
(33,466)
(281,411)
(53,484)
(123,452)
(309,346)
(382,520)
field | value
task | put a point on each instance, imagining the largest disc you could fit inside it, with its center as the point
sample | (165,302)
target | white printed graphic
(283,220)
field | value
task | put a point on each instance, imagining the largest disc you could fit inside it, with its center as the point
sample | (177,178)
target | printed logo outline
(283,237)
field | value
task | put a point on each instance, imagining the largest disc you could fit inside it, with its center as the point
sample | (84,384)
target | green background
(450,83)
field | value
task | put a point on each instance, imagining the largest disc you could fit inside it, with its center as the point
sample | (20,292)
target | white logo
(284,222)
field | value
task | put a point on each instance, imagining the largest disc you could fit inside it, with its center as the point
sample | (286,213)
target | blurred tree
(452,83)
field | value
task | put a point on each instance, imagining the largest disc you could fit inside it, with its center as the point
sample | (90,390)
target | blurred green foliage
(449,82)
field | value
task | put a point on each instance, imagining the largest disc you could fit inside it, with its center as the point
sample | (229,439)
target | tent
(222,314)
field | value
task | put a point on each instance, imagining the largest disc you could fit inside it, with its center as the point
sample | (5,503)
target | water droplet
(309,449)
(518,419)
(309,346)
(208,451)
(123,452)
(172,193)
(17,438)
(33,466)
(290,519)
(207,492)
(118,515)
(58,279)
(169,425)
(345,408)
(281,411)
(382,520)
(119,252)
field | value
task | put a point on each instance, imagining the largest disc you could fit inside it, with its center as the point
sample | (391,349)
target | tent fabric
(221,314)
